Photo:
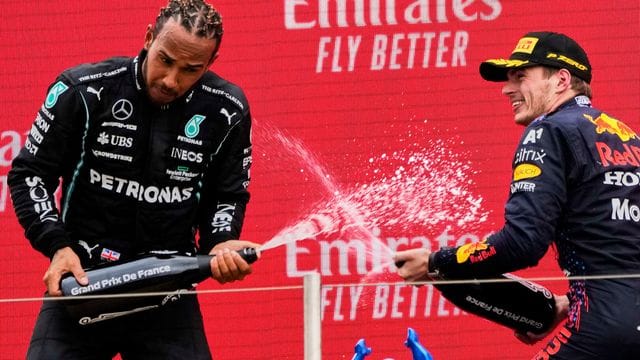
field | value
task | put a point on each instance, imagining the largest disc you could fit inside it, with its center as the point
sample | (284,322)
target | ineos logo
(122,109)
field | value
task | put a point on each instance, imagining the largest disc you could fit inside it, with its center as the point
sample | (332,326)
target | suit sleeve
(532,212)
(225,195)
(50,149)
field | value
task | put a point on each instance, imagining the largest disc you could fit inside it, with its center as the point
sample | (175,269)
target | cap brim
(497,69)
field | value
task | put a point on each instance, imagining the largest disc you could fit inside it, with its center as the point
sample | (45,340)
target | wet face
(531,93)
(175,61)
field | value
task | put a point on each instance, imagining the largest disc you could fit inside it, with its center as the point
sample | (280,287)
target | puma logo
(94,91)
(86,246)
(225,112)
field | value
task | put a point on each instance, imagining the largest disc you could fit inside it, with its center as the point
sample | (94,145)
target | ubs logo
(115,140)
(122,109)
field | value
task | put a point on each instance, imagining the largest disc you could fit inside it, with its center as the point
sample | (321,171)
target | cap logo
(526,45)
(567,60)
(507,63)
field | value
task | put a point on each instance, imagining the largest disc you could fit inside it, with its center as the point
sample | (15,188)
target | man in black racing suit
(151,150)
(576,184)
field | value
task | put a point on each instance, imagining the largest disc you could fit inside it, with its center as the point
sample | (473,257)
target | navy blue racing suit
(576,186)
(136,177)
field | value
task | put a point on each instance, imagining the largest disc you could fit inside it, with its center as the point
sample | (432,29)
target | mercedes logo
(122,109)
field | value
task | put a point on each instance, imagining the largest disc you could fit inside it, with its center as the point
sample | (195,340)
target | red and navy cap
(540,48)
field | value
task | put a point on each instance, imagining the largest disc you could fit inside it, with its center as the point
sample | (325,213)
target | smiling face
(175,61)
(531,92)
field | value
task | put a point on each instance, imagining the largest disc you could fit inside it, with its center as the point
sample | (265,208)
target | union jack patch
(109,255)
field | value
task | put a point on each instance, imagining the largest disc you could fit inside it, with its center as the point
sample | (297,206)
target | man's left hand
(562,310)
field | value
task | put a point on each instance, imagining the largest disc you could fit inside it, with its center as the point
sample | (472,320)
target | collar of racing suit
(579,100)
(136,65)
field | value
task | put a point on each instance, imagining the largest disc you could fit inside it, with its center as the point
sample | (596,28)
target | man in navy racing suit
(575,185)
(151,151)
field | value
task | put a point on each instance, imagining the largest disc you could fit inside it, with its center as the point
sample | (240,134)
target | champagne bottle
(133,286)
(511,301)
(516,303)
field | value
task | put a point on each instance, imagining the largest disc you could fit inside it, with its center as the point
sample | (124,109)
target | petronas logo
(192,129)
(54,93)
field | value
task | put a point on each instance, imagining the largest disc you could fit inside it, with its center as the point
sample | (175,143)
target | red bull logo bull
(465,251)
(605,123)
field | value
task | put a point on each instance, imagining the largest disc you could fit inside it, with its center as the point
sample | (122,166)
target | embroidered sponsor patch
(109,255)
(465,251)
(526,171)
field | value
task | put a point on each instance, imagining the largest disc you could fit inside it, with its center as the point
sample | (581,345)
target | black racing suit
(576,184)
(135,176)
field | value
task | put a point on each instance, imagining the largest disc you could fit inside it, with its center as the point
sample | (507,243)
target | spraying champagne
(133,286)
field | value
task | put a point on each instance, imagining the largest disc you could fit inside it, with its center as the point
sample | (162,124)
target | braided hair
(196,16)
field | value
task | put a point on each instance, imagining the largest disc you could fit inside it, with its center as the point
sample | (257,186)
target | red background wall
(367,126)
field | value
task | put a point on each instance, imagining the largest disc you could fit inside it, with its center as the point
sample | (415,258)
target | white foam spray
(424,185)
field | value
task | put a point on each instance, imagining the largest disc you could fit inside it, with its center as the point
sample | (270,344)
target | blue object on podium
(419,352)
(361,350)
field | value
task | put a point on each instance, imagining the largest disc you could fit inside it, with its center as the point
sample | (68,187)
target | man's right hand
(228,265)
(64,260)
(413,264)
